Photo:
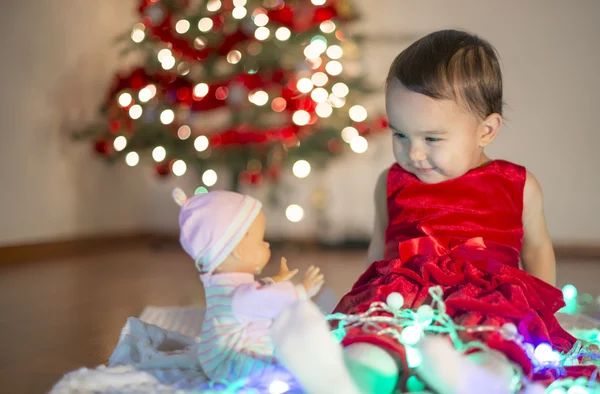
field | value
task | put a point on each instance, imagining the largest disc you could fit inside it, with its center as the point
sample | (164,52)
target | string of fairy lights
(409,327)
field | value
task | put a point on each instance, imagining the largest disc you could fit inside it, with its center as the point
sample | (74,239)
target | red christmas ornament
(162,169)
(114,126)
(256,178)
(103,147)
(183,93)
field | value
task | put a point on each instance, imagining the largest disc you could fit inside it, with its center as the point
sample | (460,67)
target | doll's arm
(254,300)
(537,253)
(377,245)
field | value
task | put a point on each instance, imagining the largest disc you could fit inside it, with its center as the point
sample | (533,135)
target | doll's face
(252,254)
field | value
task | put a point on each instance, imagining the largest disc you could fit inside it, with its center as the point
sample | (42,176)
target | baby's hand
(284,272)
(313,280)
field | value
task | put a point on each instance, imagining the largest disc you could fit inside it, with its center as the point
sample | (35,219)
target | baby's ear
(489,129)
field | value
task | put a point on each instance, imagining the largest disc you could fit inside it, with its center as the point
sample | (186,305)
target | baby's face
(436,140)
(253,252)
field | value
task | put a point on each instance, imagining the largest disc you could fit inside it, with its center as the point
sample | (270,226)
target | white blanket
(155,353)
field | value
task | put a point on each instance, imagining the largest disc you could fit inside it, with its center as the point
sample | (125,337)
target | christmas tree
(245,85)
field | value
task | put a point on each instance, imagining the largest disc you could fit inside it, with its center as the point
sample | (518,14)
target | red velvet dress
(464,235)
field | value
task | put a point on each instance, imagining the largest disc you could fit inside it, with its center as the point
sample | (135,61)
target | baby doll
(224,233)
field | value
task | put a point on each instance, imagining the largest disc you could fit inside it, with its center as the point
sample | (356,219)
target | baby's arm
(537,253)
(377,245)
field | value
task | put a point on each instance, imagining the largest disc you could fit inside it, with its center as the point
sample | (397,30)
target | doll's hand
(284,272)
(313,280)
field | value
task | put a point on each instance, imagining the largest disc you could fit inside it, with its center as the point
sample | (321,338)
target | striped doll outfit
(235,341)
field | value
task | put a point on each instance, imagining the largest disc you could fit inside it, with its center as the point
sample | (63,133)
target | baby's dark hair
(452,65)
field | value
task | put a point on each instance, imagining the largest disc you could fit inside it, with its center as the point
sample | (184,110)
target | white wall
(550,53)
(58,58)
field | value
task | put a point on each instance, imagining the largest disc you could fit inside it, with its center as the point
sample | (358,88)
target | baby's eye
(432,139)
(400,135)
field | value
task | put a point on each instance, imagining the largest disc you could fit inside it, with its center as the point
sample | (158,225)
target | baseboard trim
(52,250)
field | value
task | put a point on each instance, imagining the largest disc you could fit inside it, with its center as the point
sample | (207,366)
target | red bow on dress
(439,246)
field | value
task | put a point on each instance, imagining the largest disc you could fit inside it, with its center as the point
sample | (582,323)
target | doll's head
(444,104)
(223,231)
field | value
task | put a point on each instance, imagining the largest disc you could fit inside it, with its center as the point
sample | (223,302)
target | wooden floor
(57,316)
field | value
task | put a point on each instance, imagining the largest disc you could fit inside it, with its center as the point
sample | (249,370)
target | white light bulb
(138,36)
(213,5)
(358,113)
(411,335)
(340,89)
(294,213)
(182,26)
(239,12)
(336,101)
(395,300)
(278,387)
(260,98)
(413,357)
(261,19)
(543,352)
(147,93)
(320,79)
(348,134)
(184,132)
(167,116)
(205,24)
(301,168)
(201,90)
(334,67)
(327,26)
(168,63)
(319,95)
(163,54)
(310,52)
(304,85)
(319,46)
(262,33)
(324,110)
(135,112)
(179,167)
(201,143)
(234,57)
(159,154)
(120,143)
(125,99)
(425,314)
(209,178)
(283,33)
(335,52)
(359,144)
(318,2)
(132,159)
(301,117)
